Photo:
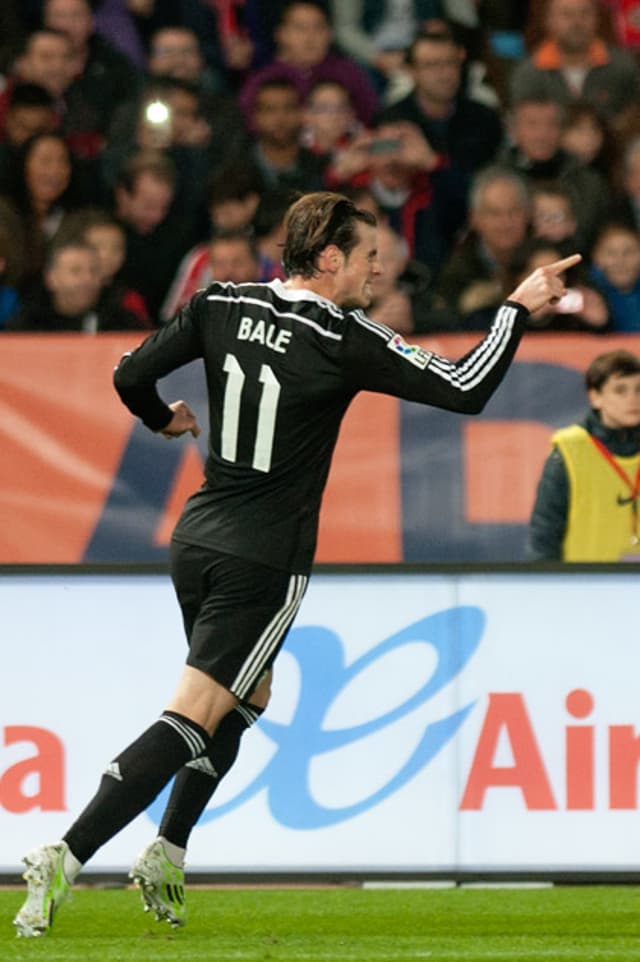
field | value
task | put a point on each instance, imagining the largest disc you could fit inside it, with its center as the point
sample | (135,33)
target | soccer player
(283,362)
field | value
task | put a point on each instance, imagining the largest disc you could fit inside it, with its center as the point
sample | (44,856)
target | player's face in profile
(356,275)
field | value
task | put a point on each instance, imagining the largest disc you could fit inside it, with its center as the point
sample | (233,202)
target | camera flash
(157,112)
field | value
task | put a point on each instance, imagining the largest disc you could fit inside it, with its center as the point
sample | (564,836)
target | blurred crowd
(148,147)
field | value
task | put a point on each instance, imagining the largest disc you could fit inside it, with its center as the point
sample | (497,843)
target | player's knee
(262,693)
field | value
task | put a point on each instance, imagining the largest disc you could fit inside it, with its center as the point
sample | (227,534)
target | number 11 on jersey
(267,412)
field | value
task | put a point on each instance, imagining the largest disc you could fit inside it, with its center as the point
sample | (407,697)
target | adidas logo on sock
(113,769)
(203,764)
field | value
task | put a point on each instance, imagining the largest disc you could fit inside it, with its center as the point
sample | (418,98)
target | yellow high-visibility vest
(600,519)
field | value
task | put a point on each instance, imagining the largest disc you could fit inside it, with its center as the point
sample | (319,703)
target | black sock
(132,781)
(196,782)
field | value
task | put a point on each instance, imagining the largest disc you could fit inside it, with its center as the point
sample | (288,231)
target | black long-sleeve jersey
(282,367)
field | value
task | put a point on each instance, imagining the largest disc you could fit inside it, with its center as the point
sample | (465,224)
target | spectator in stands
(157,232)
(464,134)
(43,59)
(553,216)
(234,194)
(483,265)
(303,56)
(400,169)
(581,309)
(615,271)
(118,303)
(30,111)
(103,77)
(116,22)
(168,118)
(625,207)
(587,135)
(391,305)
(233,257)
(586,507)
(9,300)
(377,37)
(175,51)
(276,151)
(329,120)
(43,190)
(535,129)
(67,300)
(574,63)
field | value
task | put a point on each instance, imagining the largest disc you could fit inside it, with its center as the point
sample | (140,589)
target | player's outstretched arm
(544,285)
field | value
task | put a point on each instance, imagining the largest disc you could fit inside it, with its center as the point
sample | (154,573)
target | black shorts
(236,613)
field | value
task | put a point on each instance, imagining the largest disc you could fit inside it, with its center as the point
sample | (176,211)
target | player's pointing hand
(544,285)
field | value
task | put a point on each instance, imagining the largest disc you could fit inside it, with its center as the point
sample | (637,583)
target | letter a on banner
(507,713)
(46,766)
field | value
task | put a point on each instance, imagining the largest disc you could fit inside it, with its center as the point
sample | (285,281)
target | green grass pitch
(572,924)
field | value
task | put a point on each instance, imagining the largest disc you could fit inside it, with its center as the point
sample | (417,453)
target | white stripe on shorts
(267,643)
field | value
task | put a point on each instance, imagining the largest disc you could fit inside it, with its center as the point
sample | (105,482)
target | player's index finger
(558,266)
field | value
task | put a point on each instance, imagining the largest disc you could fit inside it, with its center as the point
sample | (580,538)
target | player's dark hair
(620,363)
(313,222)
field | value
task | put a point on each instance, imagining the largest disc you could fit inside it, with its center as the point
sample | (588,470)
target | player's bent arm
(164,351)
(142,399)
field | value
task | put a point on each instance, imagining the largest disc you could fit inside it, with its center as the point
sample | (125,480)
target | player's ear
(331,258)
(595,398)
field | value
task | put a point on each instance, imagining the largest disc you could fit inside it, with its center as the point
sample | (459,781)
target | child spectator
(586,507)
(120,307)
(615,271)
(553,215)
(68,298)
(587,136)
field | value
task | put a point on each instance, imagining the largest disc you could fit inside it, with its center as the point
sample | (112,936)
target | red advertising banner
(81,480)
